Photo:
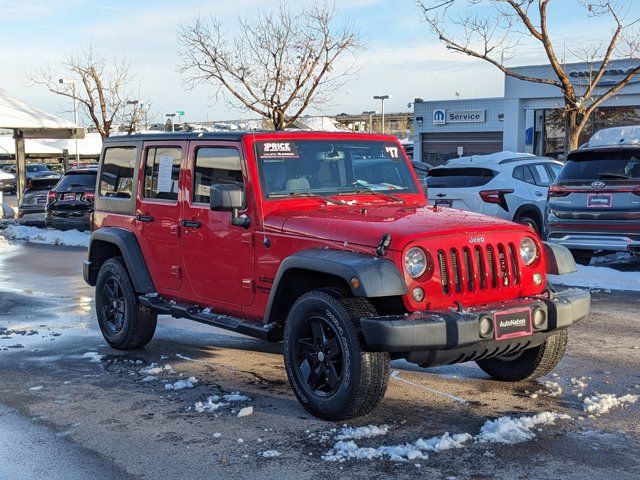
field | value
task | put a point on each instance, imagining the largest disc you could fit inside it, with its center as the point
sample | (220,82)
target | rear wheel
(124,322)
(529,364)
(331,375)
(582,257)
(530,222)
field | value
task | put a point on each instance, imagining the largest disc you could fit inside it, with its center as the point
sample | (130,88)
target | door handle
(190,223)
(538,193)
(144,218)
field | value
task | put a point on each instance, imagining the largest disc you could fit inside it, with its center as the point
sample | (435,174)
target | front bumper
(453,330)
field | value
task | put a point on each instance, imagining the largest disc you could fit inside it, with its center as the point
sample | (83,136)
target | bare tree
(495,34)
(100,85)
(277,65)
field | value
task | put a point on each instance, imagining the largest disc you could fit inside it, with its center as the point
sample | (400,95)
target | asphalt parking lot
(71,407)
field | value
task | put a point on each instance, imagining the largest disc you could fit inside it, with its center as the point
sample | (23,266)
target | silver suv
(594,205)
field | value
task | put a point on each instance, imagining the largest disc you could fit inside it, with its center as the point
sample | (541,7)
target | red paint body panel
(231,270)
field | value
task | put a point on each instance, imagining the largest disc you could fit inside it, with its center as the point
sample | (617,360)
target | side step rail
(271,332)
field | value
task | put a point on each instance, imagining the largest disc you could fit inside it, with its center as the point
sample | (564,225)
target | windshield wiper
(613,175)
(366,189)
(303,194)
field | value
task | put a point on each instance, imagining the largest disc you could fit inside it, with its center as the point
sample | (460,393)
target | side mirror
(229,197)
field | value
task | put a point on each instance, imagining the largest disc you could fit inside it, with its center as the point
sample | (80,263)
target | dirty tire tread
(534,363)
(141,324)
(372,368)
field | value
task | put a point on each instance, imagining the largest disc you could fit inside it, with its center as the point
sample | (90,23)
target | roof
(615,136)
(492,158)
(16,114)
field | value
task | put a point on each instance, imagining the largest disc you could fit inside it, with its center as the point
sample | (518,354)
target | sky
(402,59)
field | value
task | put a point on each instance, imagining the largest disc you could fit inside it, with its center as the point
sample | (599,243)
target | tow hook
(381,250)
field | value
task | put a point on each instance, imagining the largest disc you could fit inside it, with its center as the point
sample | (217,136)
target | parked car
(31,209)
(323,241)
(7,182)
(594,205)
(422,170)
(70,201)
(35,170)
(508,185)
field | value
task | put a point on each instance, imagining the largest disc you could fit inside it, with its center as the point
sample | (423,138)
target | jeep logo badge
(597,184)
(476,240)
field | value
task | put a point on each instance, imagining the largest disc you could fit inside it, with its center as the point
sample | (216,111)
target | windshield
(84,179)
(37,168)
(331,167)
(607,165)
(459,177)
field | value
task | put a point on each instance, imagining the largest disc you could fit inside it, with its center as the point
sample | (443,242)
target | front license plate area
(512,323)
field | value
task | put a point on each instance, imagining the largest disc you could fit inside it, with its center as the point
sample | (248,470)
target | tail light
(88,196)
(636,191)
(557,191)
(51,196)
(496,196)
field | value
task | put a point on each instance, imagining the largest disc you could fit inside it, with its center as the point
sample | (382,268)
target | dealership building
(527,119)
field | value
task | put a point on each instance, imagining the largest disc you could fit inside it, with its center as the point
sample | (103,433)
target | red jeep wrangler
(326,242)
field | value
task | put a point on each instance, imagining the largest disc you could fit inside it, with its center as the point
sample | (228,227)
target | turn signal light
(636,191)
(558,191)
(496,196)
(88,196)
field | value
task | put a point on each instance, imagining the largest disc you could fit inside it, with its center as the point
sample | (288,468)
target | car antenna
(381,250)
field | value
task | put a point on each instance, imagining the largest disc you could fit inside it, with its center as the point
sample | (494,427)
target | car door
(217,257)
(158,212)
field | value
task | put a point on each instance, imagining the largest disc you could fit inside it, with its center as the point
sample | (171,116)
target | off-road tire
(582,257)
(531,364)
(365,375)
(530,222)
(139,322)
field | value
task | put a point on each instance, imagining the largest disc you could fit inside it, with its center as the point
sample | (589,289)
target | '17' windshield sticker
(392,151)
(273,149)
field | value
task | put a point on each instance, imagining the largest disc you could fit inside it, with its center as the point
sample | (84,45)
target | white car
(507,185)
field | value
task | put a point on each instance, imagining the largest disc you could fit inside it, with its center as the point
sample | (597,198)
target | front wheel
(332,377)
(531,363)
(124,322)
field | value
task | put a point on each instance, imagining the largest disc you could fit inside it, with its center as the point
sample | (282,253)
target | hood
(366,225)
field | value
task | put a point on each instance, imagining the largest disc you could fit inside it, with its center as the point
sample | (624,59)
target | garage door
(437,148)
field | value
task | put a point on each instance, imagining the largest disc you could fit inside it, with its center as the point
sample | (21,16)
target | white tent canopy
(31,147)
(90,145)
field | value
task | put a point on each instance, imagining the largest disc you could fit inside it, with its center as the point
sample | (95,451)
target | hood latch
(381,250)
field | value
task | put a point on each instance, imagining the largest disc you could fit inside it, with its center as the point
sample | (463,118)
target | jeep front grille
(485,267)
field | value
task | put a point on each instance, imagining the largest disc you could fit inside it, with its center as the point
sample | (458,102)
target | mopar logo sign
(439,117)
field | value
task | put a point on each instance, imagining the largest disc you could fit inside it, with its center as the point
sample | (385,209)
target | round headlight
(528,250)
(415,262)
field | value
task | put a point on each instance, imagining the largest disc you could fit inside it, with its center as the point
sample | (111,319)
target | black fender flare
(559,259)
(377,276)
(131,252)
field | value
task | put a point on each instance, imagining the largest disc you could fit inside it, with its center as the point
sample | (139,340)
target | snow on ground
(599,277)
(215,402)
(502,430)
(357,433)
(270,454)
(601,403)
(245,412)
(180,384)
(154,369)
(94,357)
(70,238)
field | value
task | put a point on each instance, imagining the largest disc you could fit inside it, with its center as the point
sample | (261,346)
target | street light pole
(75,113)
(382,98)
(134,114)
(371,113)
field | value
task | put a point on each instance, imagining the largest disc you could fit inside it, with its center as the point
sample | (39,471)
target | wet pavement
(71,407)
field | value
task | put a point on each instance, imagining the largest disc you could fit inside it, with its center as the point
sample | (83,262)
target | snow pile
(245,412)
(356,433)
(211,404)
(94,357)
(37,388)
(180,384)
(154,369)
(235,397)
(502,430)
(601,403)
(70,238)
(215,402)
(510,430)
(599,277)
(270,454)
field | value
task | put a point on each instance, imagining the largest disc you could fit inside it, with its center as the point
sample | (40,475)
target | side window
(540,175)
(518,173)
(527,175)
(554,168)
(116,177)
(161,173)
(215,165)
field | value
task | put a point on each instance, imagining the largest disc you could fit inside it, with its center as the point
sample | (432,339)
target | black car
(31,210)
(70,202)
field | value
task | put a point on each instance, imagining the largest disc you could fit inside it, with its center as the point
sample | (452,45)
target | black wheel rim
(113,306)
(319,357)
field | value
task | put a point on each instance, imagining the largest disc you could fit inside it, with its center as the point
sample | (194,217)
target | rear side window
(459,177)
(72,179)
(215,165)
(162,172)
(116,177)
(605,165)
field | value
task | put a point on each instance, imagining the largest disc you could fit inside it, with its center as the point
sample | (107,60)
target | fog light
(539,318)
(537,279)
(486,327)
(418,294)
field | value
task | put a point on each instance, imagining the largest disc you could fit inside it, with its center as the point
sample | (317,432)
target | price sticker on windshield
(391,150)
(277,149)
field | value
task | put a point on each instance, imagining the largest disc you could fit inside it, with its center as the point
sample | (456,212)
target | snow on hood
(362,224)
